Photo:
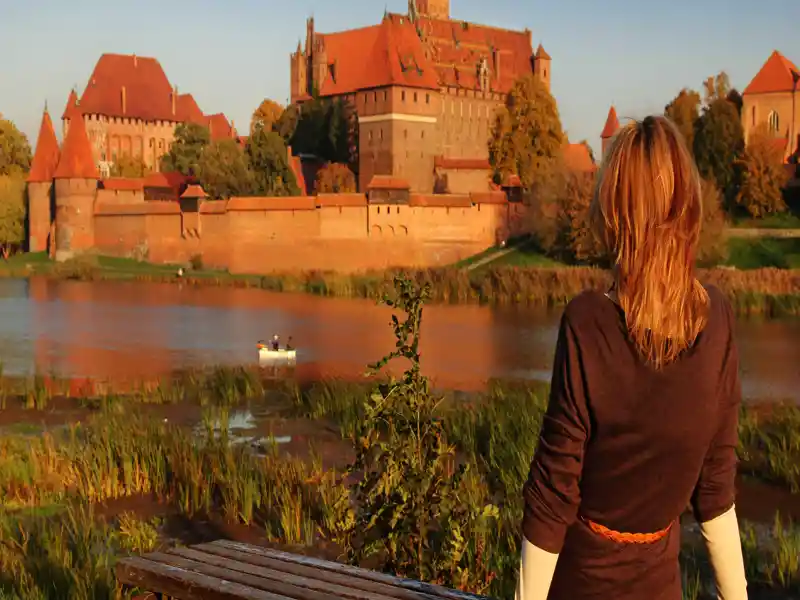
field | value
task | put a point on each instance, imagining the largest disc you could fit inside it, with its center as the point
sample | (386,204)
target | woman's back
(647,430)
(644,399)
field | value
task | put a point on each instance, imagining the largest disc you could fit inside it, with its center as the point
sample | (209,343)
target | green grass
(785,220)
(757,253)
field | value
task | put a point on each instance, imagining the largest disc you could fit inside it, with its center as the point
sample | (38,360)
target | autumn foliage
(335,178)
(762,174)
(527,137)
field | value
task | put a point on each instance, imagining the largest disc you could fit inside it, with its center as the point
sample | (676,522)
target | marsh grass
(770,292)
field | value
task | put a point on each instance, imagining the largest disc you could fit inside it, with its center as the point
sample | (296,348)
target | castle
(771,99)
(72,210)
(425,88)
(130,108)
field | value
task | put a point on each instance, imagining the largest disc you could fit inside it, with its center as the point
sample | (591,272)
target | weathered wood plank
(183,584)
(270,586)
(409,584)
(271,576)
(328,579)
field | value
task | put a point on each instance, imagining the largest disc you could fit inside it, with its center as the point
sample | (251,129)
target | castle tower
(434,9)
(612,125)
(541,65)
(69,110)
(41,203)
(76,187)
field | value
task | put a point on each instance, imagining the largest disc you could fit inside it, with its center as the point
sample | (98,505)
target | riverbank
(768,292)
(224,453)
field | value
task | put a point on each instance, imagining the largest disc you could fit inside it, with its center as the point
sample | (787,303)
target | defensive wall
(342,232)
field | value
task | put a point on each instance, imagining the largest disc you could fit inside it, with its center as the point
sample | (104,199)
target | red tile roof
(774,76)
(188,110)
(612,124)
(578,157)
(387,182)
(76,160)
(127,184)
(469,164)
(194,191)
(390,53)
(219,127)
(542,53)
(457,47)
(45,159)
(147,91)
(171,179)
(72,102)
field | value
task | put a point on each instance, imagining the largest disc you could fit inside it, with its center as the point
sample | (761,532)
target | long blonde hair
(647,211)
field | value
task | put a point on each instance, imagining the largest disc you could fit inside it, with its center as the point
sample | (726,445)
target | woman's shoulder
(589,308)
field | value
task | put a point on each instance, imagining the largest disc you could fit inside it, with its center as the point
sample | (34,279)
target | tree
(269,161)
(712,248)
(12,211)
(719,137)
(335,178)
(15,151)
(684,110)
(560,219)
(328,129)
(267,115)
(184,154)
(128,165)
(287,123)
(763,175)
(527,137)
(224,170)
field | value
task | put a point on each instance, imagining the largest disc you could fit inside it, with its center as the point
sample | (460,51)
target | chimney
(174,100)
(135,61)
(124,101)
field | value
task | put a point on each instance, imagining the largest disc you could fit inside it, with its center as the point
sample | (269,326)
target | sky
(231,54)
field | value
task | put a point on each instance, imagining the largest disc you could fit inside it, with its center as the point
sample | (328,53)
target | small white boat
(267,354)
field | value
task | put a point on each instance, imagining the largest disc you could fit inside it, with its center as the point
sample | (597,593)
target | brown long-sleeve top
(627,446)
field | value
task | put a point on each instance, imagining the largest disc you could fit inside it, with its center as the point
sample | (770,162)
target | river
(128,331)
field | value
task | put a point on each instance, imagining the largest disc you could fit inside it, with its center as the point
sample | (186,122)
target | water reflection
(130,330)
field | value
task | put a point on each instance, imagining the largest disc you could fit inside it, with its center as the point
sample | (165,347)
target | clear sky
(231,54)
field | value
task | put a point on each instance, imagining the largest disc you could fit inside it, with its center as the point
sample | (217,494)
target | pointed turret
(72,103)
(76,160)
(40,186)
(611,127)
(541,65)
(45,159)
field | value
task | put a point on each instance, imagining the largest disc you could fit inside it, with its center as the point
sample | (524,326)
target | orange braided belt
(627,538)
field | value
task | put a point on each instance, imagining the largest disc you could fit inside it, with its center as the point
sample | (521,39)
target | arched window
(773,122)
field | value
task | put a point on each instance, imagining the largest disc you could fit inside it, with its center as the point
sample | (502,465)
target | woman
(644,401)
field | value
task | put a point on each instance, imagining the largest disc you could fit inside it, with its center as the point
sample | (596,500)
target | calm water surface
(138,330)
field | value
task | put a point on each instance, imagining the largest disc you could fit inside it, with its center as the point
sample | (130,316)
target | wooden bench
(225,570)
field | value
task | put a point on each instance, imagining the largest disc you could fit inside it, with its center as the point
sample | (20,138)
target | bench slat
(327,578)
(269,586)
(355,572)
(271,576)
(183,584)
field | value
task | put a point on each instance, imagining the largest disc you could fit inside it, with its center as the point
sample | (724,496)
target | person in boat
(644,399)
(276,342)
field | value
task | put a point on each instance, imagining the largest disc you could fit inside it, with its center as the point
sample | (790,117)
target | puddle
(243,428)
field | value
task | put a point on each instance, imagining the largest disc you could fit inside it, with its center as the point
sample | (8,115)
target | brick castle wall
(339,232)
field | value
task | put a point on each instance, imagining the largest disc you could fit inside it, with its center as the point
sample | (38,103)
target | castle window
(773,121)
(405,133)
(370,136)
(380,132)
(403,95)
(415,96)
(385,95)
(427,98)
(422,135)
(753,116)
(374,96)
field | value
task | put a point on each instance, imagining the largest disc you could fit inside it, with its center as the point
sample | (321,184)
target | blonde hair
(647,211)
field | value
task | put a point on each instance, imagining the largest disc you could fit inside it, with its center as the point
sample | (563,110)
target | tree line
(527,140)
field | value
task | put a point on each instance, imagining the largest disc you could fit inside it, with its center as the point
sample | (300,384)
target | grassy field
(111,475)
(759,253)
(787,220)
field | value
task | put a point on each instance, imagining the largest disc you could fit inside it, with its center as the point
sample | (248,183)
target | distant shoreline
(767,292)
